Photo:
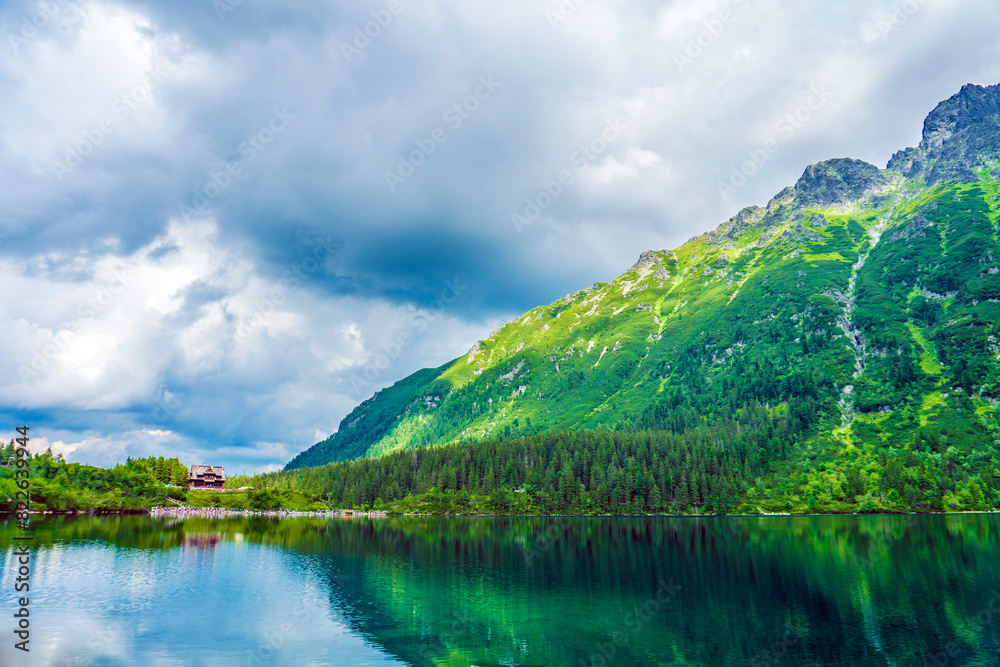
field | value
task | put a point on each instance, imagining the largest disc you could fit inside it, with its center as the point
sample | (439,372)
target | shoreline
(223,513)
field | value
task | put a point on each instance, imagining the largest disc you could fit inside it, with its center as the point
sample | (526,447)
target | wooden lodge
(207,477)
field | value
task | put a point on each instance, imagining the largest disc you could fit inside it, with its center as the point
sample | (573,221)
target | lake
(868,590)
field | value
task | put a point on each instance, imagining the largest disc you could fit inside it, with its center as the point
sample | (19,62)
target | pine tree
(655,501)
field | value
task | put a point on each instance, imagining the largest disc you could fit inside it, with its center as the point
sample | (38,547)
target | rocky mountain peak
(647,258)
(959,135)
(838,181)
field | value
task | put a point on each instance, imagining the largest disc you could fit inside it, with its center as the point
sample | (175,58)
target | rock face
(828,184)
(646,259)
(837,182)
(959,135)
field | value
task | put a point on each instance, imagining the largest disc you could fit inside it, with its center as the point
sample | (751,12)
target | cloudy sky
(219,218)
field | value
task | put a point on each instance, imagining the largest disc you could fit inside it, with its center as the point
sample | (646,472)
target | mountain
(862,304)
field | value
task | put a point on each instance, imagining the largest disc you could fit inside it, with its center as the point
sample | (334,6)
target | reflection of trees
(539,590)
(839,587)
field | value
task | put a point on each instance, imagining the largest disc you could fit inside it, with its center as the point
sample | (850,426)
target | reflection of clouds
(97,605)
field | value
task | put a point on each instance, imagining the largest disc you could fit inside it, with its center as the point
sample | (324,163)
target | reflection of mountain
(547,591)
(535,591)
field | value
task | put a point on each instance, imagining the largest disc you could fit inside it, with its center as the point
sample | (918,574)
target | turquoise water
(900,590)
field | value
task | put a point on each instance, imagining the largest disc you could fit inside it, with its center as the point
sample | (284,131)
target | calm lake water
(901,590)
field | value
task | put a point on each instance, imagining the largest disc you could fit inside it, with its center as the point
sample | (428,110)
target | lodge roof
(203,470)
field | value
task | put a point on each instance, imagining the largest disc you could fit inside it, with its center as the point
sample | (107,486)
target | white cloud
(633,160)
(680,15)
(89,85)
(208,335)
(140,321)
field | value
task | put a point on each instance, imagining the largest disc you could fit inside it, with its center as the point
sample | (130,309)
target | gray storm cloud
(203,152)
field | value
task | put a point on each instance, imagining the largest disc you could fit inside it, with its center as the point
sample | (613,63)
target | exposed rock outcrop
(960,134)
(839,181)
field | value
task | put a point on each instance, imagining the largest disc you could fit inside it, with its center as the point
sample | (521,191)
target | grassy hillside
(861,305)
(375,418)
(874,322)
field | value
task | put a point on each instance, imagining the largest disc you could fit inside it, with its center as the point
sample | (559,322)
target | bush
(263,499)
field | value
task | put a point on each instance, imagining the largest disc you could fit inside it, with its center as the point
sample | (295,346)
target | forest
(753,461)
(739,465)
(58,485)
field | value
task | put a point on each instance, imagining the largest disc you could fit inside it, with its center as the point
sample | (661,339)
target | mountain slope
(863,302)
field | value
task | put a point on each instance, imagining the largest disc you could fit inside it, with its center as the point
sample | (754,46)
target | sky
(225,223)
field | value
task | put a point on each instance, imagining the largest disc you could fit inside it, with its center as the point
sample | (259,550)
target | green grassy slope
(862,303)
(374,419)
(856,316)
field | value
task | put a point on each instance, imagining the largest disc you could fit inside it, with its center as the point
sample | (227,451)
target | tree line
(703,469)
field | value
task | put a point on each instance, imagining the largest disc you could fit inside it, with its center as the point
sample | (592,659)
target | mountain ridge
(958,135)
(862,302)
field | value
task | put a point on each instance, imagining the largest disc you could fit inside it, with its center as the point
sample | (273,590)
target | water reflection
(206,540)
(526,591)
